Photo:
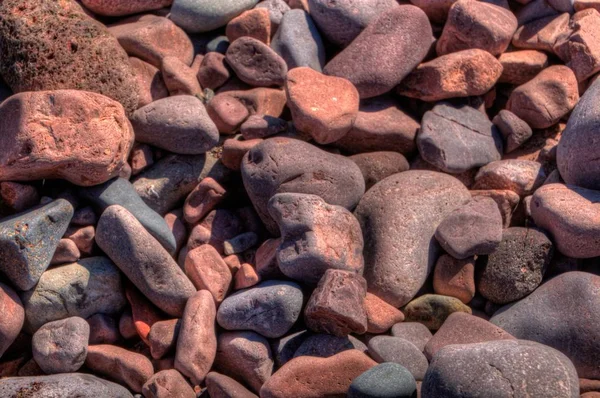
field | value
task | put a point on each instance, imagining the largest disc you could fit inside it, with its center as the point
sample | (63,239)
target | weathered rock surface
(62,385)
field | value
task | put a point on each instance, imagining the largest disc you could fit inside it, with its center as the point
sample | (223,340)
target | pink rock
(253,23)
(140,158)
(167,384)
(234,150)
(255,63)
(213,71)
(175,222)
(162,338)
(380,315)
(151,86)
(179,78)
(580,50)
(521,66)
(245,277)
(66,252)
(266,259)
(83,237)
(202,200)
(18,197)
(143,313)
(455,278)
(117,8)
(227,112)
(13,317)
(542,34)
(221,386)
(207,270)
(123,366)
(217,227)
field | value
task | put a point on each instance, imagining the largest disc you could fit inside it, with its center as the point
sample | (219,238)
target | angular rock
(151,86)
(506,200)
(579,49)
(367,61)
(432,309)
(179,78)
(458,138)
(387,380)
(253,23)
(163,337)
(255,63)
(518,67)
(245,277)
(400,351)
(380,315)
(221,386)
(166,384)
(205,15)
(234,150)
(123,366)
(543,33)
(207,270)
(415,332)
(13,317)
(520,176)
(66,252)
(514,130)
(375,166)
(62,385)
(61,346)
(217,227)
(269,308)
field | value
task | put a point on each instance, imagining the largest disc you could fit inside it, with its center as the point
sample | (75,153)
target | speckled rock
(126,367)
(117,8)
(205,15)
(400,351)
(380,315)
(252,23)
(415,332)
(506,200)
(207,270)
(387,380)
(520,176)
(519,67)
(61,346)
(256,63)
(13,319)
(62,385)
(166,384)
(436,10)
(432,309)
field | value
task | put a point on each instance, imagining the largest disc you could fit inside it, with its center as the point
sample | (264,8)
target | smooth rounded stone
(285,347)
(473,229)
(32,60)
(298,41)
(520,176)
(152,38)
(380,315)
(507,367)
(207,270)
(542,34)
(337,306)
(326,345)
(28,241)
(461,328)
(455,278)
(517,266)
(166,384)
(577,157)
(78,136)
(197,16)
(112,8)
(381,125)
(125,367)
(197,340)
(323,106)
(570,214)
(315,237)
(240,243)
(163,337)
(400,36)
(400,351)
(342,21)
(255,63)
(375,166)
(143,260)
(270,308)
(190,132)
(62,385)
(432,309)
(305,377)
(227,113)
(245,277)
(245,356)
(280,165)
(414,332)
(218,226)
(545,99)
(458,138)
(262,126)
(179,78)
(477,24)
(103,329)
(61,346)
(521,66)
(277,9)
(66,252)
(213,71)
(120,191)
(253,23)
(83,237)
(18,197)
(80,289)
(398,228)
(13,317)
(459,74)
(221,386)
(514,129)
(151,86)
(386,380)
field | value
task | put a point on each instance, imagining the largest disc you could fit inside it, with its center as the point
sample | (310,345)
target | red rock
(167,384)
(227,112)
(436,10)
(455,278)
(255,63)
(514,130)
(521,66)
(506,200)
(218,226)
(234,150)
(83,237)
(202,200)
(580,50)
(103,329)
(140,158)
(213,71)
(18,197)
(581,5)
(119,8)
(542,34)
(207,270)
(82,137)
(125,367)
(234,262)
(261,100)
(266,259)
(245,277)
(197,341)
(262,126)
(162,338)
(143,313)
(175,222)
(221,386)
(66,252)
(380,315)
(13,317)
(520,176)
(151,86)
(324,107)
(253,23)
(179,78)
(306,377)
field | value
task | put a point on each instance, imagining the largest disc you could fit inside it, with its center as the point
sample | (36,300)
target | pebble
(270,308)
(455,278)
(315,237)
(579,49)
(299,42)
(162,338)
(397,263)
(375,166)
(143,313)
(414,332)
(83,237)
(518,67)
(203,16)
(380,315)
(103,329)
(62,385)
(436,10)
(221,386)
(459,74)
(179,78)
(66,252)
(458,138)
(202,200)
(398,350)
(166,384)
(214,71)
(508,367)
(207,270)
(514,130)
(218,226)
(254,23)
(520,176)
(255,63)
(245,277)
(151,86)
(400,36)
(13,319)
(61,346)
(28,241)
(517,266)
(121,236)
(79,136)
(262,126)
(324,345)
(277,9)
(386,380)
(227,113)
(432,309)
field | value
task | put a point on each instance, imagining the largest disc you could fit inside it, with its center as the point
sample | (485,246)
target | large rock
(279,165)
(14,316)
(143,260)
(508,368)
(62,385)
(562,313)
(398,227)
(385,52)
(205,15)
(80,136)
(28,241)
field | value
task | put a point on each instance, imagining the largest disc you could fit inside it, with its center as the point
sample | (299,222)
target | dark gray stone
(219,44)
(61,346)
(325,345)
(28,241)
(277,9)
(400,351)
(285,347)
(387,380)
(63,385)
(514,129)
(203,16)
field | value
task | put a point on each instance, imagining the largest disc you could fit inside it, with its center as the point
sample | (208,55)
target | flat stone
(205,15)
(166,384)
(520,176)
(143,260)
(324,345)
(61,346)
(62,385)
(518,67)
(517,266)
(579,49)
(380,315)
(13,319)
(221,386)
(78,136)
(398,227)
(432,310)
(415,332)
(514,129)
(262,126)
(207,270)
(227,113)
(506,200)
(255,63)
(28,241)
(507,367)
(455,278)
(367,61)
(398,350)
(458,138)
(375,166)
(386,380)
(254,23)
(543,33)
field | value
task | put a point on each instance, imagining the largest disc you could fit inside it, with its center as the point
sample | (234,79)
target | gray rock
(28,241)
(326,345)
(387,380)
(458,138)
(400,351)
(120,191)
(277,9)
(219,44)
(298,41)
(61,346)
(63,385)
(269,308)
(197,16)
(514,129)
(415,332)
(80,289)
(255,63)
(509,368)
(285,347)
(143,260)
